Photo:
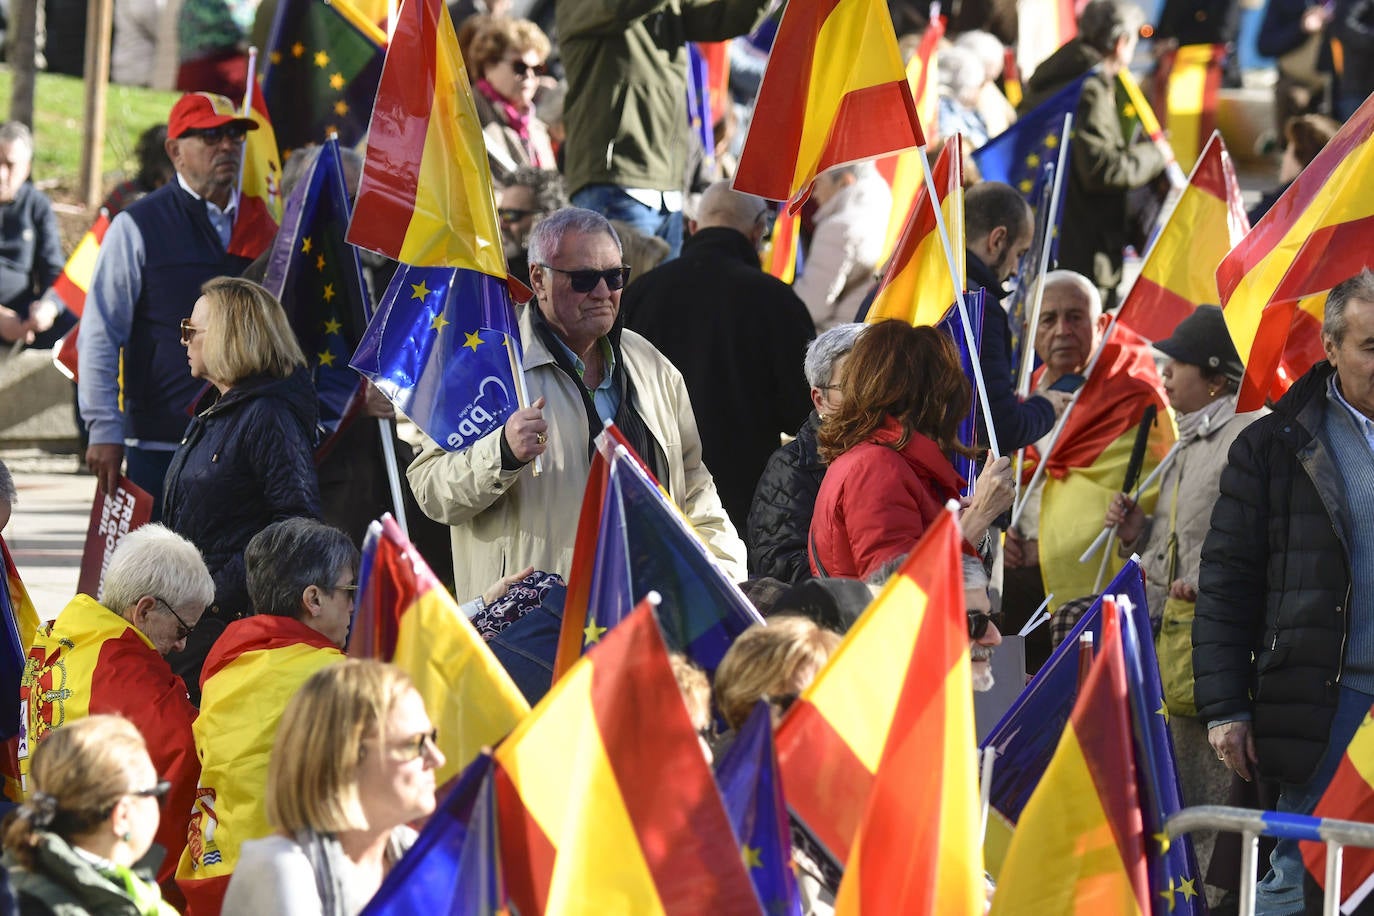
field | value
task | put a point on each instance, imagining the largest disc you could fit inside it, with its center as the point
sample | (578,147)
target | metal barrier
(1252,824)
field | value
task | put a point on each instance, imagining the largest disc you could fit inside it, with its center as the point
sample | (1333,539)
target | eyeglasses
(158,791)
(978,623)
(520,68)
(189,331)
(213,135)
(183,631)
(414,748)
(584,281)
(513,215)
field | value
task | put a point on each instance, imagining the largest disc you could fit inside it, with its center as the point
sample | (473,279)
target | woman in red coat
(889,476)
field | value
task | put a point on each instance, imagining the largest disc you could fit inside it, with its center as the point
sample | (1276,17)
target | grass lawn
(59,122)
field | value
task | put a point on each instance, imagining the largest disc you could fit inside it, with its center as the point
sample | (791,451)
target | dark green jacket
(626,62)
(64,884)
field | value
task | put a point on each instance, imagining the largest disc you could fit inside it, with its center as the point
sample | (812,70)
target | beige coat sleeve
(455,487)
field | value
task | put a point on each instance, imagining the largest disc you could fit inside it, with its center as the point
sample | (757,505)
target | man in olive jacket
(626,108)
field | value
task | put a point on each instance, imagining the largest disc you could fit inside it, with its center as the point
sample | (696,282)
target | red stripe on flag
(1330,255)
(1153,311)
(1211,174)
(864,123)
(634,696)
(823,781)
(527,856)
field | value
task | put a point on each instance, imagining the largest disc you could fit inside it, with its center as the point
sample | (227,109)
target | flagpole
(393,476)
(248,107)
(969,340)
(1108,532)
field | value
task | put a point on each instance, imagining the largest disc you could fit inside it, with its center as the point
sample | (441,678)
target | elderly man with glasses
(581,368)
(153,261)
(106,656)
(302,579)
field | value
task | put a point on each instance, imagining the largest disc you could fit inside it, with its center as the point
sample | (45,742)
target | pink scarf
(518,120)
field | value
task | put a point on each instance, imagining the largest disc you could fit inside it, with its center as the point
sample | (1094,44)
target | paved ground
(48,528)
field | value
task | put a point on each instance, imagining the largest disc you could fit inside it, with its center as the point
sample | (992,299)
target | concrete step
(37,402)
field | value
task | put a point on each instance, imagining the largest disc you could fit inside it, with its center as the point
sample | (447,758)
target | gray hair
(1105,22)
(987,48)
(722,205)
(1081,284)
(17,132)
(825,350)
(547,235)
(886,570)
(975,573)
(961,72)
(287,557)
(1361,287)
(157,562)
(8,493)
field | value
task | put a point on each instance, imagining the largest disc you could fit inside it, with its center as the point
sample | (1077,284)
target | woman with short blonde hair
(775,661)
(354,762)
(255,336)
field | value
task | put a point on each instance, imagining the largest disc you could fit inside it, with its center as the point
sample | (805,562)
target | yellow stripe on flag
(1186,95)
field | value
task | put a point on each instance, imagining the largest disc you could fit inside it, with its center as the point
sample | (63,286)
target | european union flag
(444,346)
(1028,274)
(747,775)
(1016,154)
(699,102)
(452,868)
(953,325)
(644,544)
(319,280)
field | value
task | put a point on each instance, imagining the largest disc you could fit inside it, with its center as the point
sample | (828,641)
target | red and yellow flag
(1349,797)
(261,176)
(1187,84)
(780,256)
(253,669)
(405,616)
(1079,847)
(834,92)
(426,197)
(606,801)
(918,848)
(1180,271)
(21,623)
(91,661)
(916,286)
(906,178)
(71,285)
(1274,283)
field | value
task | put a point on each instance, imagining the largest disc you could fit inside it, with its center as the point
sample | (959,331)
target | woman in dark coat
(247,458)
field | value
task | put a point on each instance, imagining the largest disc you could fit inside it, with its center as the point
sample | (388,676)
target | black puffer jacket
(1275,582)
(780,515)
(247,460)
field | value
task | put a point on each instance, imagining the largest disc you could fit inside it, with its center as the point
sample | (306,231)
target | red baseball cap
(204,109)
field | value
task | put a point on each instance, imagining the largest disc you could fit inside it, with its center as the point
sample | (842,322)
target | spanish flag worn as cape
(91,661)
(253,669)
(20,622)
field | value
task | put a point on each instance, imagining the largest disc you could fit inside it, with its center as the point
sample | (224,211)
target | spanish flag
(783,249)
(1349,797)
(406,617)
(836,738)
(834,92)
(91,661)
(916,286)
(1187,84)
(606,802)
(907,168)
(1179,273)
(918,848)
(1079,847)
(426,196)
(20,622)
(260,198)
(1274,283)
(71,285)
(253,669)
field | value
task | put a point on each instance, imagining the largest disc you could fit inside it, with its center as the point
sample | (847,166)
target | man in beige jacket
(580,368)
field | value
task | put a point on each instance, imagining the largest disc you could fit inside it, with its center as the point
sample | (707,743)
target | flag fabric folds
(1022,297)
(782,256)
(834,92)
(318,279)
(1080,843)
(453,866)
(261,175)
(323,64)
(916,850)
(1274,283)
(833,739)
(916,286)
(747,774)
(1017,155)
(406,617)
(426,197)
(1179,272)
(20,622)
(967,431)
(641,542)
(1186,86)
(906,169)
(629,819)
(1349,796)
(444,346)
(71,286)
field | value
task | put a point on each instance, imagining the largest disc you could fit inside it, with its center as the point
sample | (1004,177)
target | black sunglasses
(584,281)
(183,630)
(521,68)
(158,791)
(512,214)
(213,135)
(978,623)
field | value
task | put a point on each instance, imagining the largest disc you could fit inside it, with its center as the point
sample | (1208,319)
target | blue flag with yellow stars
(452,868)
(645,544)
(1026,737)
(319,280)
(968,431)
(444,347)
(747,774)
(1028,272)
(1016,154)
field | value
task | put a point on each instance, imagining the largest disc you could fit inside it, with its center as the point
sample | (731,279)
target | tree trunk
(22,55)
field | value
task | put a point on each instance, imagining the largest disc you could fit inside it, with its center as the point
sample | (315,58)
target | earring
(126,836)
(1212,392)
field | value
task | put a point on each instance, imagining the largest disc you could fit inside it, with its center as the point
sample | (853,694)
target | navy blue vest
(181,251)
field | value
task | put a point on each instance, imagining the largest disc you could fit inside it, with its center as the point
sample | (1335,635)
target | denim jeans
(1280,893)
(612,202)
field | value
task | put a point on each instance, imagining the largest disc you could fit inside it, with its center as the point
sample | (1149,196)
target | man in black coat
(1283,637)
(735,333)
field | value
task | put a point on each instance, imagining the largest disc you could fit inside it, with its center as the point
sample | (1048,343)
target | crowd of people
(808,451)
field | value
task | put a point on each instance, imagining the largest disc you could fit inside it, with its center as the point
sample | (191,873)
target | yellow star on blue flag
(472,341)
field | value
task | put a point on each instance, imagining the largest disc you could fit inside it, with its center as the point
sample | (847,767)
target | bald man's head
(723,206)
